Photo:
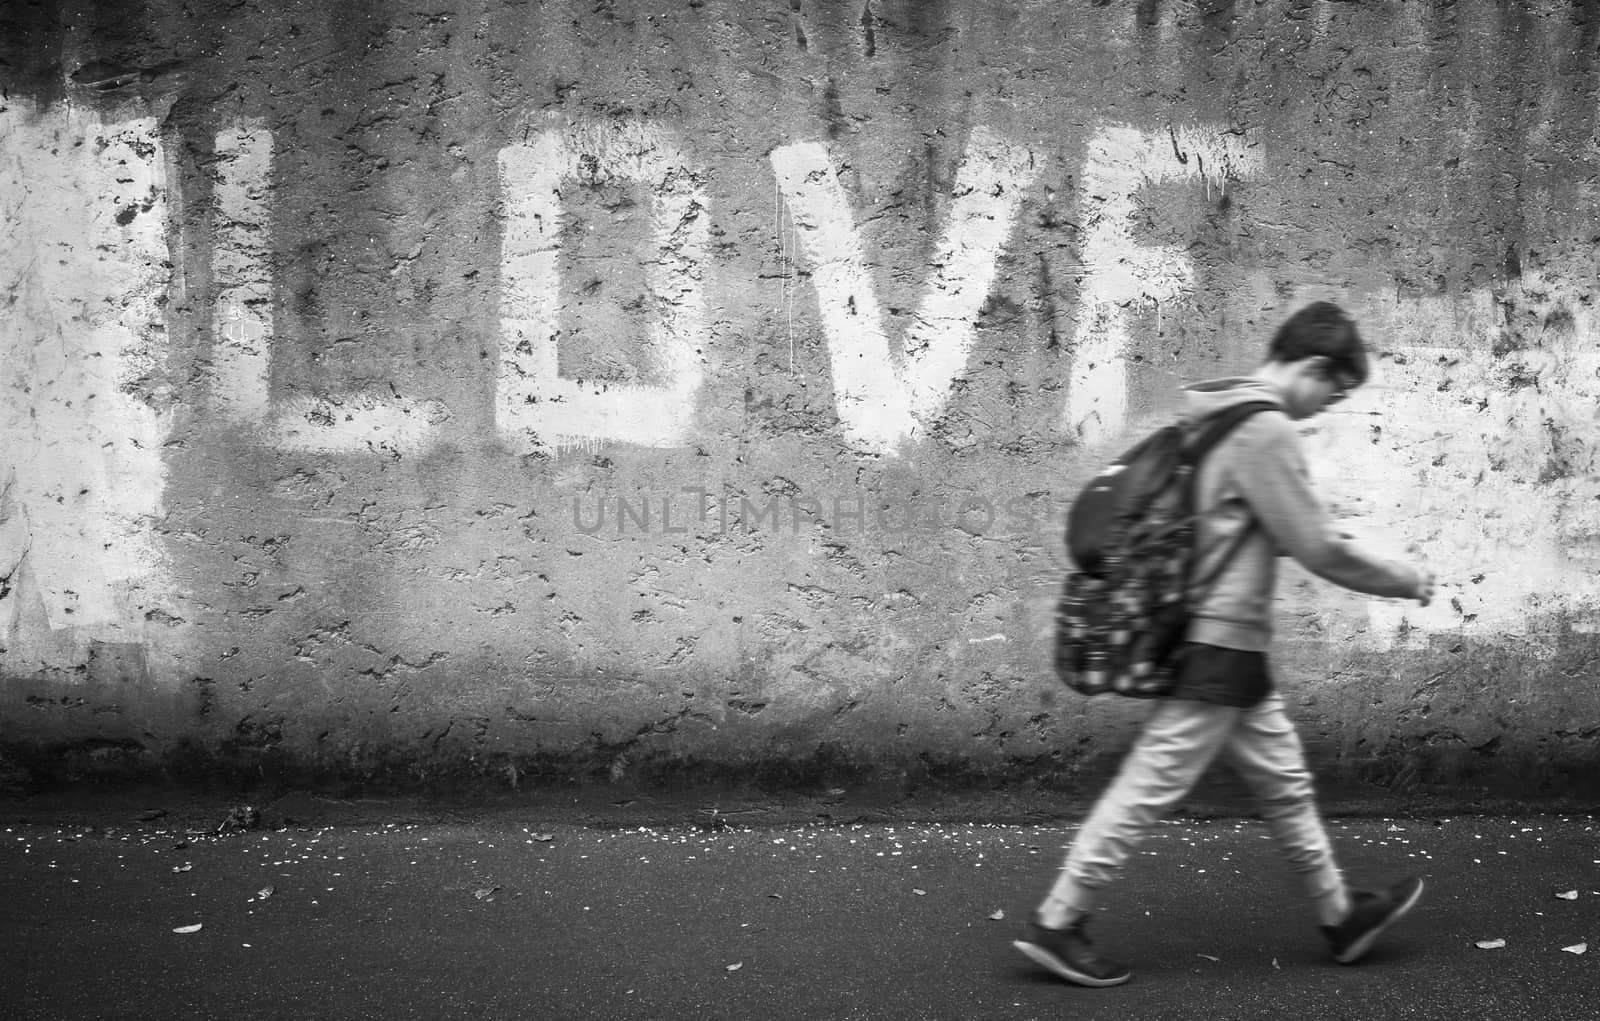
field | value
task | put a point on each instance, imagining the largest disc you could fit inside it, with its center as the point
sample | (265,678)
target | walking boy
(1253,493)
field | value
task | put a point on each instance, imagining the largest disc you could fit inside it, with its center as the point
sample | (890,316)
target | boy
(1253,494)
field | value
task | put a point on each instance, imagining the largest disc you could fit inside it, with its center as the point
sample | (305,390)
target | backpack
(1125,607)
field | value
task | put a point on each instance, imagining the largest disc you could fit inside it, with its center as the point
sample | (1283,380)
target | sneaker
(1370,914)
(1069,954)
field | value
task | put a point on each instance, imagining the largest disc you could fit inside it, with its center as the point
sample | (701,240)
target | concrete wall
(402,388)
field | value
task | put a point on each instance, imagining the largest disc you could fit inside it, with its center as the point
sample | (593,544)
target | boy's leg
(1266,752)
(1176,745)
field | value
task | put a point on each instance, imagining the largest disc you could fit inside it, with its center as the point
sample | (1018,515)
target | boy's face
(1315,386)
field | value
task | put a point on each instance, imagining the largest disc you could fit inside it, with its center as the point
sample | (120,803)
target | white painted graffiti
(1477,411)
(242,330)
(881,399)
(535,407)
(82,339)
(1480,457)
(1119,273)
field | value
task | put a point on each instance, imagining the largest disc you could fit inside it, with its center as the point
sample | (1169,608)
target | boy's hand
(1424,586)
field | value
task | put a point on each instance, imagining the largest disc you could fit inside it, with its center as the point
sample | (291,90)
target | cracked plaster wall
(397,389)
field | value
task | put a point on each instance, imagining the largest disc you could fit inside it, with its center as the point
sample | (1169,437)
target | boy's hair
(1322,328)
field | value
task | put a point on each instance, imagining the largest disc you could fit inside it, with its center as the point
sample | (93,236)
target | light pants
(1178,742)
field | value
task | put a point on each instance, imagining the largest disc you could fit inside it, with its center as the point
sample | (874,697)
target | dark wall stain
(30,49)
(928,19)
(833,110)
(1586,15)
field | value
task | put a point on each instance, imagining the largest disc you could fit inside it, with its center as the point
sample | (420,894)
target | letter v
(881,400)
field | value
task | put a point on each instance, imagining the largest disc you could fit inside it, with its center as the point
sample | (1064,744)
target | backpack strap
(1212,431)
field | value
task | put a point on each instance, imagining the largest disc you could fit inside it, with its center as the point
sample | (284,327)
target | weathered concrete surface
(399,389)
(382,914)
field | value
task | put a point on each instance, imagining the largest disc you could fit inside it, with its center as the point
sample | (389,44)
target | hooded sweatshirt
(1257,478)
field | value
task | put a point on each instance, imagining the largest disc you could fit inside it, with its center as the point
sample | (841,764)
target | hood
(1201,400)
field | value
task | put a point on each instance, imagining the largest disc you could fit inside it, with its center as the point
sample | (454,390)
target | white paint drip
(879,403)
(83,206)
(1119,272)
(534,404)
(1486,466)
(242,329)
(576,444)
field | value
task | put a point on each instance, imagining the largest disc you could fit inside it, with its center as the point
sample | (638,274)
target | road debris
(241,817)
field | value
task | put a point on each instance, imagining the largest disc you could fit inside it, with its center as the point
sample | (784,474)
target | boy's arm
(1270,471)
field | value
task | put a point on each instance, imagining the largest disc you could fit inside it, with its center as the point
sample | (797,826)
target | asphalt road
(512,916)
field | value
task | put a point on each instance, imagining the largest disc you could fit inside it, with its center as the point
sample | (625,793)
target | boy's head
(1320,352)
